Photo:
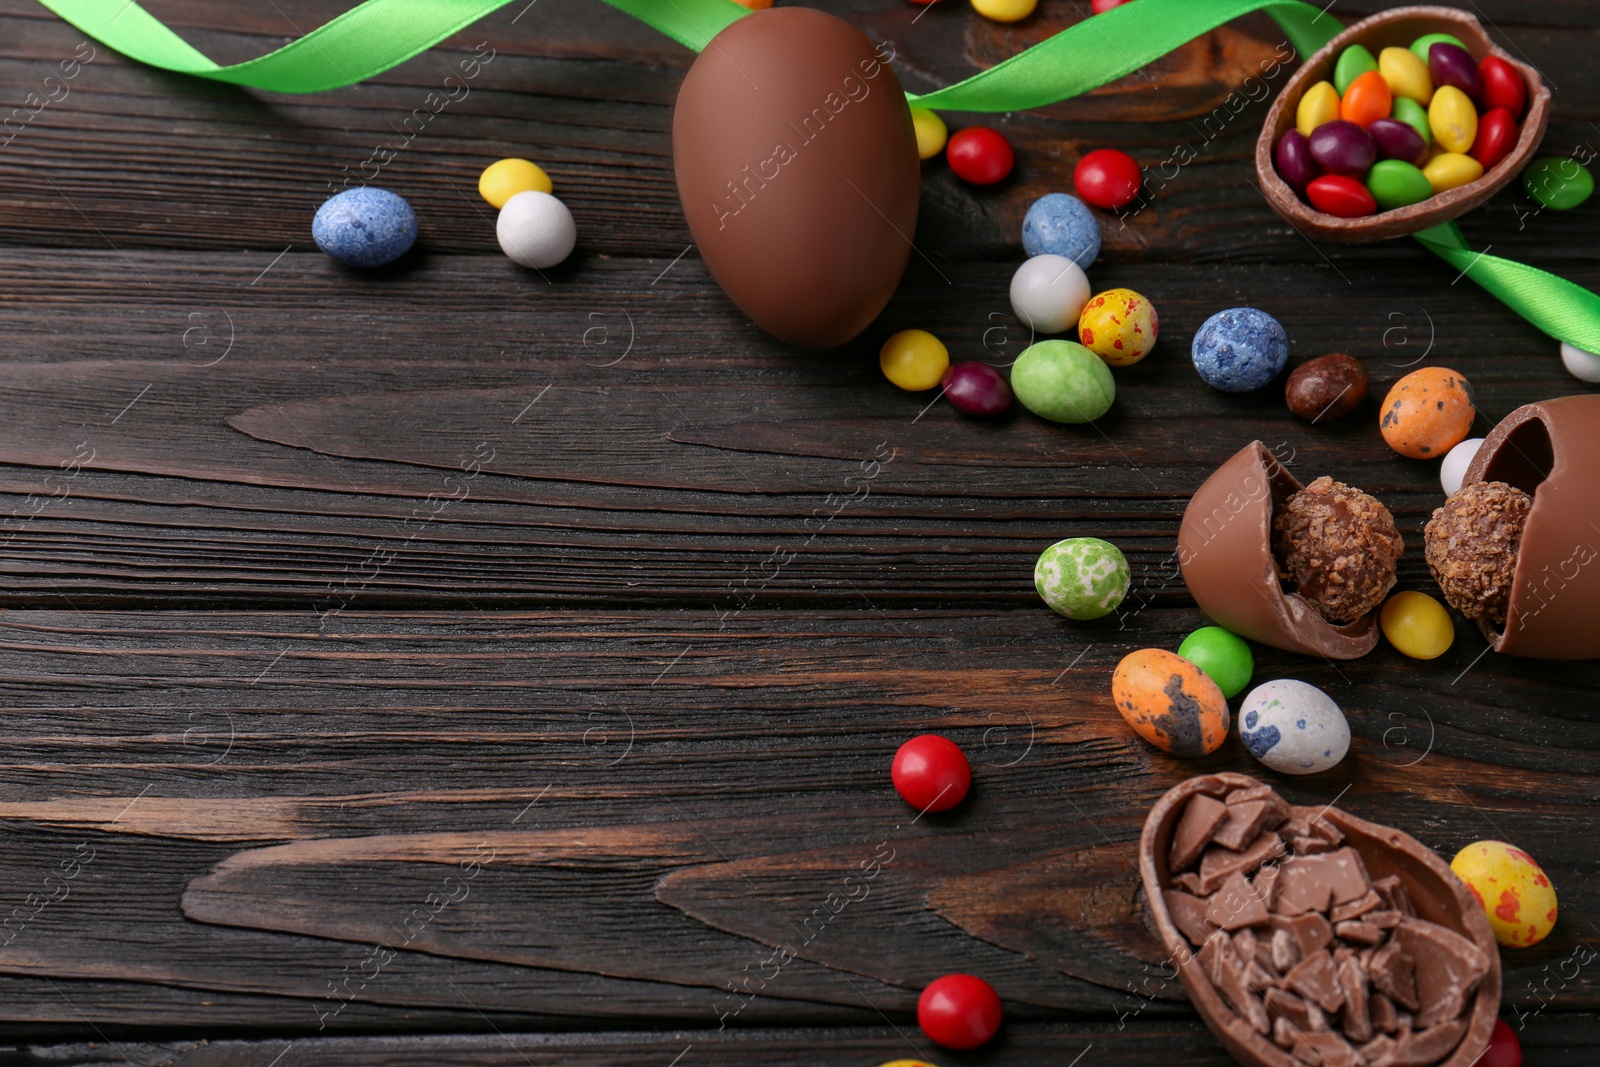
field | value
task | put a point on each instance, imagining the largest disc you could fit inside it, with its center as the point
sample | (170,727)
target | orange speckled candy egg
(1119,326)
(1427,413)
(1170,702)
(1513,889)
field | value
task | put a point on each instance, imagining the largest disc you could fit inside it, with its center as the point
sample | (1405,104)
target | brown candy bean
(1326,388)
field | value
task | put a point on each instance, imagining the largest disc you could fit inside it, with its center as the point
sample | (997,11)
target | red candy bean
(979,155)
(976,388)
(1102,6)
(1504,1049)
(1336,194)
(1497,136)
(1107,178)
(1502,86)
(959,1011)
(931,773)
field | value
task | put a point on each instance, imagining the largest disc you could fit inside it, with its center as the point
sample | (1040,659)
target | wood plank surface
(450,664)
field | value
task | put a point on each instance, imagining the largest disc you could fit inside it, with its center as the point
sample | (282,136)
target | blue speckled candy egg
(364,227)
(1293,727)
(1060,225)
(1240,349)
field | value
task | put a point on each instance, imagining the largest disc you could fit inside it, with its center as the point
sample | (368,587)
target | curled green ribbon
(379,34)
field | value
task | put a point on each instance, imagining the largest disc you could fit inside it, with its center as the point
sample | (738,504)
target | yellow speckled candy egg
(1170,702)
(1119,326)
(1427,413)
(907,1063)
(1513,889)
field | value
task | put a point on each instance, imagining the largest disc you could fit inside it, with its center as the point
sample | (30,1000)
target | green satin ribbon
(379,34)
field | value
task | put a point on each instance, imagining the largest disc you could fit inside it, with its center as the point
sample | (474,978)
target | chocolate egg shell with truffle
(1437,895)
(1551,450)
(1225,553)
(798,172)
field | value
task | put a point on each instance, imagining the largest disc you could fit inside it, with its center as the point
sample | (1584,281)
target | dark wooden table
(436,665)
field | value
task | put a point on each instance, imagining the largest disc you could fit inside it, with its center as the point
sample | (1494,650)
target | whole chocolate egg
(798,171)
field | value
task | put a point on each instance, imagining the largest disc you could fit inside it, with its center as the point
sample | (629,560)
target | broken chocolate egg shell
(1225,553)
(1550,451)
(1436,893)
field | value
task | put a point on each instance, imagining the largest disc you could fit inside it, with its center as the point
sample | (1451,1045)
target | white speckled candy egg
(1293,727)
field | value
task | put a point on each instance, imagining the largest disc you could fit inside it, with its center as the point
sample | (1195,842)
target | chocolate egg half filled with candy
(798,171)
(1335,546)
(1520,550)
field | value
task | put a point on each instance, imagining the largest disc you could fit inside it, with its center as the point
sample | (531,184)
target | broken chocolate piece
(1393,972)
(1424,1048)
(1189,914)
(1301,887)
(1356,1022)
(1235,905)
(1354,909)
(1326,1049)
(1316,979)
(1217,862)
(1345,874)
(1244,824)
(1358,931)
(1383,1014)
(1301,1013)
(1201,817)
(1378,1049)
(1265,884)
(1285,951)
(1383,920)
(1393,892)
(1283,1032)
(1189,882)
(1234,985)
(1448,969)
(1310,932)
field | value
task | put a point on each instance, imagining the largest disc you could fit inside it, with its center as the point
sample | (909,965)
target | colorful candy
(1394,183)
(1502,85)
(502,180)
(1119,326)
(959,1011)
(1353,62)
(1293,727)
(1414,115)
(931,773)
(1326,388)
(1367,100)
(914,360)
(1343,147)
(1064,382)
(1456,461)
(1170,702)
(536,230)
(1004,10)
(1082,577)
(1223,655)
(1048,293)
(1515,892)
(1406,75)
(1240,349)
(979,155)
(1421,45)
(1582,365)
(1497,136)
(1107,178)
(364,227)
(1397,140)
(976,388)
(931,131)
(1452,118)
(1427,413)
(1293,157)
(1341,196)
(1557,183)
(1417,625)
(1100,7)
(1060,225)
(1450,64)
(1451,170)
(1320,104)
(1504,1049)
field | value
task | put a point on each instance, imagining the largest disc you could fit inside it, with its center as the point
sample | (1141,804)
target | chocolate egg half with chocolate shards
(1301,568)
(1517,548)
(798,171)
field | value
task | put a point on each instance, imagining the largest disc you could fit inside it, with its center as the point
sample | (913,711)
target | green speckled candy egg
(1082,577)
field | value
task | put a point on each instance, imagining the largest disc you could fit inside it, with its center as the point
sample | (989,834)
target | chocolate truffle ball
(1337,547)
(1471,544)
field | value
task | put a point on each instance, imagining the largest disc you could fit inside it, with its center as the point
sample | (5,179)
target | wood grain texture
(316,586)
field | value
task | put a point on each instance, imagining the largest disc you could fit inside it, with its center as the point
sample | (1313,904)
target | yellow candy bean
(1453,119)
(1417,625)
(1004,10)
(931,132)
(501,181)
(914,360)
(1406,74)
(1319,105)
(1451,169)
